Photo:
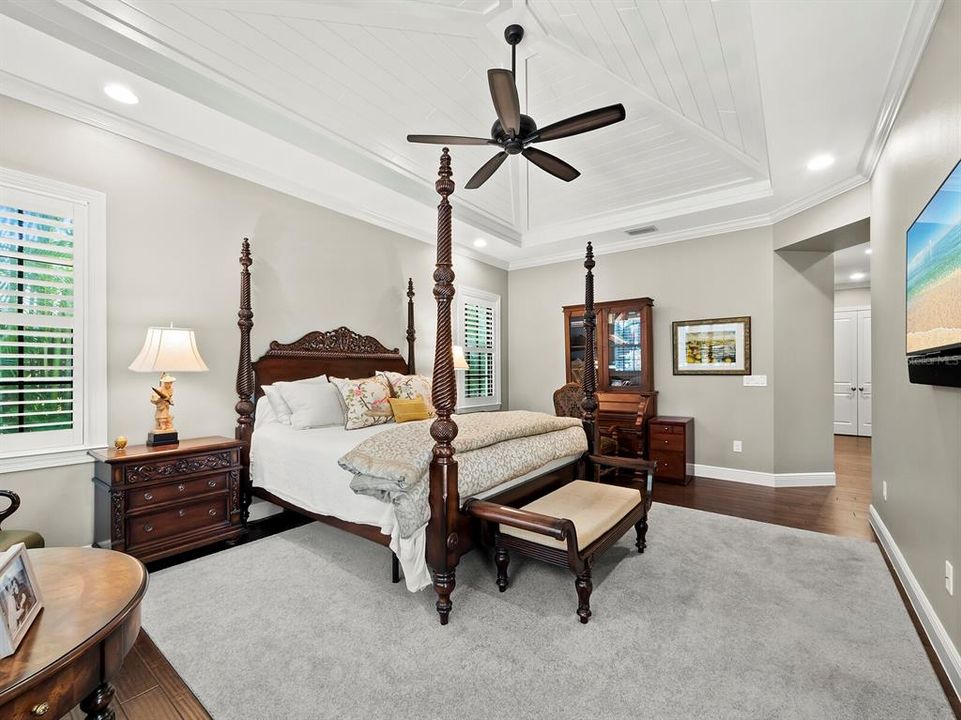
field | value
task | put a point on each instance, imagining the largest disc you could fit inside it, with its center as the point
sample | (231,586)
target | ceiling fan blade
(504,95)
(486,170)
(449,140)
(554,165)
(585,122)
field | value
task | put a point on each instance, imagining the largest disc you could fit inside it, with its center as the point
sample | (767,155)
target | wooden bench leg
(641,528)
(584,588)
(502,559)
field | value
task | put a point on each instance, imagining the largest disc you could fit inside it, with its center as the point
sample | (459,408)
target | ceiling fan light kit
(513,132)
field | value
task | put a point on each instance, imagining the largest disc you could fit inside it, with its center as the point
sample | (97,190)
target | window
(52,322)
(478,331)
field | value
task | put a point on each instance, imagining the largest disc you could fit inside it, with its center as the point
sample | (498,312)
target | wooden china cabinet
(625,366)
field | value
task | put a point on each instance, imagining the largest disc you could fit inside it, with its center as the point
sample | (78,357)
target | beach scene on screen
(934,271)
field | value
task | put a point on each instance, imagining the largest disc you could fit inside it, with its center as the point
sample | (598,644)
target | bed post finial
(442,540)
(411,333)
(245,377)
(589,403)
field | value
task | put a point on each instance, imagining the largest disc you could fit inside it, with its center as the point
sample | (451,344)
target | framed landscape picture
(721,346)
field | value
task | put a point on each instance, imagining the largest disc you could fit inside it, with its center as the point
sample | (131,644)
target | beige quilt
(491,448)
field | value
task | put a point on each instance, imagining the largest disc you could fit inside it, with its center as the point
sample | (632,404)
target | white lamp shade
(169,349)
(460,362)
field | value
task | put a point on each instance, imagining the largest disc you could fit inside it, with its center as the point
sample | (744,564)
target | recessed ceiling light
(819,162)
(867,251)
(121,93)
(480,242)
(857,276)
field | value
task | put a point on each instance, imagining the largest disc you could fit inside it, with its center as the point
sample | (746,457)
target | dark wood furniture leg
(641,529)
(584,588)
(394,568)
(502,559)
(97,703)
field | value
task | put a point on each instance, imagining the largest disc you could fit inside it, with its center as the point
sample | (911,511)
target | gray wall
(313,269)
(803,361)
(718,276)
(917,428)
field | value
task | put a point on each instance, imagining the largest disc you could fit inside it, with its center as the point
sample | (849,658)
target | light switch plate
(737,446)
(755,381)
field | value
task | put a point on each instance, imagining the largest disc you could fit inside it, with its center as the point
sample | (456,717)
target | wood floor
(148,687)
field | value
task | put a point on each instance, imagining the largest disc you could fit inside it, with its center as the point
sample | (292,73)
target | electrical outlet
(884,490)
(949,577)
(736,446)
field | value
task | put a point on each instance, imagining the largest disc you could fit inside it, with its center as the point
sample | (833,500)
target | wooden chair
(572,525)
(8,538)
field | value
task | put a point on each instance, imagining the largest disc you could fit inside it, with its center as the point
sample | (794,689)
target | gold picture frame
(715,346)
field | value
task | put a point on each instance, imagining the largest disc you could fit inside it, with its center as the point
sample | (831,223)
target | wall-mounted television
(933,288)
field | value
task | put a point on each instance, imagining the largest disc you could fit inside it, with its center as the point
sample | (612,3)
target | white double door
(852,372)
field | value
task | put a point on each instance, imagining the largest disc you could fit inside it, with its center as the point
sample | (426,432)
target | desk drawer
(53,698)
(185,489)
(189,517)
(667,442)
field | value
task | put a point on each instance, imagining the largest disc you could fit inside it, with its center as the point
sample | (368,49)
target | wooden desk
(90,620)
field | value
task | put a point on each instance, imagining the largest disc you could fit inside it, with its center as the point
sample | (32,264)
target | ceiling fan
(514,132)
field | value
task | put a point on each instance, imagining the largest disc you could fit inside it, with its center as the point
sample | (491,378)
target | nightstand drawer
(157,494)
(669,465)
(662,429)
(189,517)
(175,467)
(667,442)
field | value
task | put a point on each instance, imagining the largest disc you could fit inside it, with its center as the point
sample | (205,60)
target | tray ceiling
(344,82)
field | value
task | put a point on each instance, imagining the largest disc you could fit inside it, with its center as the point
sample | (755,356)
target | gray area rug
(719,618)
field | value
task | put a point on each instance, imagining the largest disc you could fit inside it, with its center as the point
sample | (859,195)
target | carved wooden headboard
(339,353)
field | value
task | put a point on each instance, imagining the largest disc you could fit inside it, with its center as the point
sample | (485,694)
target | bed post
(442,540)
(411,333)
(245,379)
(589,403)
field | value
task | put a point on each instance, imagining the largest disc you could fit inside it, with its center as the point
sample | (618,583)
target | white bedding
(300,466)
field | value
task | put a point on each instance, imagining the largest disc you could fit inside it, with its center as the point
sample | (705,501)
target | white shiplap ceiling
(725,101)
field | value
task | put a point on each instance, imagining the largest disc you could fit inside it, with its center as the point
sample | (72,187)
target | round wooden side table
(90,620)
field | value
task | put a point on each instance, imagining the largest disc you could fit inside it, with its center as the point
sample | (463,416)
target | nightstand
(151,502)
(671,443)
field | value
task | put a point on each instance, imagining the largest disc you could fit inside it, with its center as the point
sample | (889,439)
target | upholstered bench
(570,526)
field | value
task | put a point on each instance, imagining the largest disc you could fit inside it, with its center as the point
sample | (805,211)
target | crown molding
(921,21)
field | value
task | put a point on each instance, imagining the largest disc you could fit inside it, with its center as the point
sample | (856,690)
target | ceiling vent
(633,232)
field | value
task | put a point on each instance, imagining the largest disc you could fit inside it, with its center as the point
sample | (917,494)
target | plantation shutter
(480,383)
(40,321)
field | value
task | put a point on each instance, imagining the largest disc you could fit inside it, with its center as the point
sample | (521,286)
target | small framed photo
(721,346)
(20,601)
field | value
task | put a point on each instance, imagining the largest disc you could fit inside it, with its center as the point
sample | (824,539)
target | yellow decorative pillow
(406,410)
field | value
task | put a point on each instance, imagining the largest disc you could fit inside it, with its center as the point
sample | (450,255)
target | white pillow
(264,414)
(312,404)
(281,409)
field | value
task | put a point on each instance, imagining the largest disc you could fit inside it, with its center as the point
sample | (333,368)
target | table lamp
(165,350)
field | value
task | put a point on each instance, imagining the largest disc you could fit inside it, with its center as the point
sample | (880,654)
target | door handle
(853,389)
(861,389)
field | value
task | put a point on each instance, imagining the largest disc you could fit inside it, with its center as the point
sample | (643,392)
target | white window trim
(94,327)
(463,404)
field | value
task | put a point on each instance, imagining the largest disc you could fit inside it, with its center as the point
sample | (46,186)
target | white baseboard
(755,477)
(943,647)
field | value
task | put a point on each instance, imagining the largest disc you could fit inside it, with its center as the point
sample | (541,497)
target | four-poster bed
(451,529)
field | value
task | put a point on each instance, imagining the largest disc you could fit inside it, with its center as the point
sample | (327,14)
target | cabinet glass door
(623,348)
(578,347)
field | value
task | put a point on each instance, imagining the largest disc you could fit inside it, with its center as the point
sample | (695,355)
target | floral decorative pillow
(365,401)
(410,387)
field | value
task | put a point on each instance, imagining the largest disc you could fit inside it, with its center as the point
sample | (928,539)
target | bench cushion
(593,507)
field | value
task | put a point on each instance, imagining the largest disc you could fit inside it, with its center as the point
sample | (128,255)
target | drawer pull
(40,709)
(148,528)
(147,496)
(181,487)
(181,512)
(211,483)
(212,512)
